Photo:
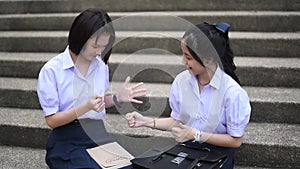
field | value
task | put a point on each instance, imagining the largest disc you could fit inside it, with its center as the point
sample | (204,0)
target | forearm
(164,124)
(61,118)
(222,140)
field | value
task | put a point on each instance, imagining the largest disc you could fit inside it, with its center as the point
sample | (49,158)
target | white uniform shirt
(221,107)
(62,87)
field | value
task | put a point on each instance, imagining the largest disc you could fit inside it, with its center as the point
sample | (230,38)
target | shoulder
(183,76)
(55,62)
(52,66)
(234,90)
(180,80)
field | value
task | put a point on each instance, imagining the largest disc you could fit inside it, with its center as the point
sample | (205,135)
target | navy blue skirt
(66,146)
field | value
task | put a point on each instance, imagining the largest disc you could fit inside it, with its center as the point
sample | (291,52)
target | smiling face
(194,67)
(95,46)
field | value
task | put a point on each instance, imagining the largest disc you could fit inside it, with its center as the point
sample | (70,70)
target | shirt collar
(68,62)
(216,79)
(67,59)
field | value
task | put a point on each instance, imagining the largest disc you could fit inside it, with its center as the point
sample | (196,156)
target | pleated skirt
(66,146)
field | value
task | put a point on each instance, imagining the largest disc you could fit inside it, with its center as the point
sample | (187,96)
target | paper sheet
(110,155)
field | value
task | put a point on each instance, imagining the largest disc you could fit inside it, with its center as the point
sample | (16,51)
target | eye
(187,57)
(95,46)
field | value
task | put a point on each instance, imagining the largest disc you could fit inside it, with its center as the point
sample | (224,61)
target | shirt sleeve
(47,91)
(237,107)
(174,100)
(107,77)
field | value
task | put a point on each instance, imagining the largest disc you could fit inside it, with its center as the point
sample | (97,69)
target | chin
(191,72)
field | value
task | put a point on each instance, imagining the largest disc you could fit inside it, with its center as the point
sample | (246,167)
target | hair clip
(222,26)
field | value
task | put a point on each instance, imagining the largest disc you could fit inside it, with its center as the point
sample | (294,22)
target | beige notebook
(110,156)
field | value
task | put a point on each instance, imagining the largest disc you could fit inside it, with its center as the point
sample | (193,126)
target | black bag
(182,156)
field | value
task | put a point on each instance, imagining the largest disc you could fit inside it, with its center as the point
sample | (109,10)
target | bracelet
(154,125)
(115,99)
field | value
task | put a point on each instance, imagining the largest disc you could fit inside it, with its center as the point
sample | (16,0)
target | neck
(205,78)
(81,64)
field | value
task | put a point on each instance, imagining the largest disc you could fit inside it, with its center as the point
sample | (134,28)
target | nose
(99,52)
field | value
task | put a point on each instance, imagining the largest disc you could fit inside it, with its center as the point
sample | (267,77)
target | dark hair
(89,23)
(210,40)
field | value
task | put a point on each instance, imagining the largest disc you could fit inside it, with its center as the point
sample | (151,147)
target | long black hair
(211,40)
(91,22)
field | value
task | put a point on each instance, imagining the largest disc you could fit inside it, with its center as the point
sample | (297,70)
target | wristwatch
(117,103)
(197,136)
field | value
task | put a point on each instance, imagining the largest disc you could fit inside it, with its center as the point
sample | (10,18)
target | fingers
(129,116)
(140,92)
(137,85)
(181,132)
(177,134)
(98,103)
(128,93)
(100,107)
(132,120)
(136,101)
(175,130)
(126,81)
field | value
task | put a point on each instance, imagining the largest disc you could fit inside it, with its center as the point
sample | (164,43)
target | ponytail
(226,56)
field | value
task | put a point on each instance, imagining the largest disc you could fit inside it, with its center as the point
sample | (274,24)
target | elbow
(50,124)
(237,142)
(50,121)
(237,145)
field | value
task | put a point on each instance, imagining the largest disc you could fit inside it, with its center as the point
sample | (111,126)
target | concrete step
(264,37)
(162,68)
(266,145)
(12,157)
(274,105)
(251,21)
(253,71)
(48,6)
(17,157)
(243,43)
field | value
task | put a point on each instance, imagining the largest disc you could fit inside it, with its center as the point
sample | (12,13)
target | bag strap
(196,152)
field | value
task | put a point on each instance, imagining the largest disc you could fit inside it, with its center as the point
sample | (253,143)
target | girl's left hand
(183,133)
(127,94)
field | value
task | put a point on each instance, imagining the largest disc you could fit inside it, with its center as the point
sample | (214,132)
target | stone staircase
(265,38)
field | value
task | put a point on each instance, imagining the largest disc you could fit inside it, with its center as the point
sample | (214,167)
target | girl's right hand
(96,103)
(135,119)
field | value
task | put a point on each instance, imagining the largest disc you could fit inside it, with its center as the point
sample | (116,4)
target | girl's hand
(127,94)
(183,133)
(96,103)
(135,120)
